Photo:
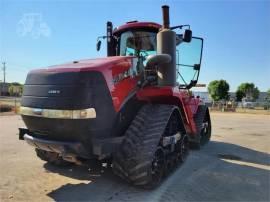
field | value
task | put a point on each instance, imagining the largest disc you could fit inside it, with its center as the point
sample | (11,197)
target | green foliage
(15,84)
(15,89)
(218,90)
(247,90)
(239,95)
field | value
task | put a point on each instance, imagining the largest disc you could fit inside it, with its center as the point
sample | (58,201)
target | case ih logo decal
(131,72)
(54,92)
(121,76)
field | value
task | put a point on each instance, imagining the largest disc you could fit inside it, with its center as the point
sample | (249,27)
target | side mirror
(98,45)
(197,67)
(187,36)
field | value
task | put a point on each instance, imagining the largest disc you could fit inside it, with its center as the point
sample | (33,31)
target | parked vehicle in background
(247,103)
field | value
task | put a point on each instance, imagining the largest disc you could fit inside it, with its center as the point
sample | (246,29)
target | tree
(248,90)
(239,95)
(218,90)
(15,89)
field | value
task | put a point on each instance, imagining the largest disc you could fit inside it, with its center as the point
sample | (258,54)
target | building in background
(3,89)
(11,89)
(207,99)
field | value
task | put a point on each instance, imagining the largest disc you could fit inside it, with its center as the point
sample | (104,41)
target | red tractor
(132,109)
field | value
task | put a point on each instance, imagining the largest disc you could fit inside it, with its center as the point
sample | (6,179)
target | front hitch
(22,132)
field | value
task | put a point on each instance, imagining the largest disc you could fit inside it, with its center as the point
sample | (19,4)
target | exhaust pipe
(166,44)
(166,17)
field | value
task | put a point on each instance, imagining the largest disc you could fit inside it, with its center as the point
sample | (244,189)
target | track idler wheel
(203,124)
(182,149)
(158,167)
(206,130)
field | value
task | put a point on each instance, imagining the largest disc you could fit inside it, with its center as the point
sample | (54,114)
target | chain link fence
(248,107)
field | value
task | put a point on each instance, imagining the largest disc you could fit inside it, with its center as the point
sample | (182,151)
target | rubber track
(199,116)
(132,161)
(198,119)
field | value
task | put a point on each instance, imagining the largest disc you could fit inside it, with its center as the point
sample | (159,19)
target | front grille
(72,90)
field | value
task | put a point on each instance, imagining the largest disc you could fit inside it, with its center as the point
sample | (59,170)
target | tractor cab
(139,39)
(136,39)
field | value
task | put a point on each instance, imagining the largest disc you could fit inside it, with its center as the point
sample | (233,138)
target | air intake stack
(166,44)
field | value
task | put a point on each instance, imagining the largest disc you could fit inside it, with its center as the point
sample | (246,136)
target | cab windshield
(137,43)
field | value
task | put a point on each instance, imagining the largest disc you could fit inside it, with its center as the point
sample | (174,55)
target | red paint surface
(109,67)
(113,66)
(137,25)
(174,96)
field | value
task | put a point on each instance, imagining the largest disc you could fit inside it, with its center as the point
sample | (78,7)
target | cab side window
(188,60)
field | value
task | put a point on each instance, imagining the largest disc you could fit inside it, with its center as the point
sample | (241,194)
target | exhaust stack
(166,44)
(166,17)
(110,49)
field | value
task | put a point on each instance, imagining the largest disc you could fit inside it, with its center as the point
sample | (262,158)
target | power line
(4,71)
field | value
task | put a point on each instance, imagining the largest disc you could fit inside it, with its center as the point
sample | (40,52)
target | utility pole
(4,71)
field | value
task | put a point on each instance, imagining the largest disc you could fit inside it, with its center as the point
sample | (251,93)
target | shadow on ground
(208,175)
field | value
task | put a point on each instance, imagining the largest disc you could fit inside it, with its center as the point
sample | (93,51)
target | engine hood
(98,64)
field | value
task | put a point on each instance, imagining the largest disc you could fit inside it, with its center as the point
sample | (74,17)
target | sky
(36,34)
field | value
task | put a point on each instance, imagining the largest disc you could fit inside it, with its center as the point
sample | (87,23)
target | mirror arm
(99,41)
(179,26)
(102,37)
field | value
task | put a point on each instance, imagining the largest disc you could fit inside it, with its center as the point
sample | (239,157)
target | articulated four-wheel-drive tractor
(132,109)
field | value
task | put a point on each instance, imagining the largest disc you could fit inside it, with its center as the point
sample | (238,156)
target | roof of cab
(135,24)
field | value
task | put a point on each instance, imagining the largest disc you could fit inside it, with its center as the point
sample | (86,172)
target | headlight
(89,113)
